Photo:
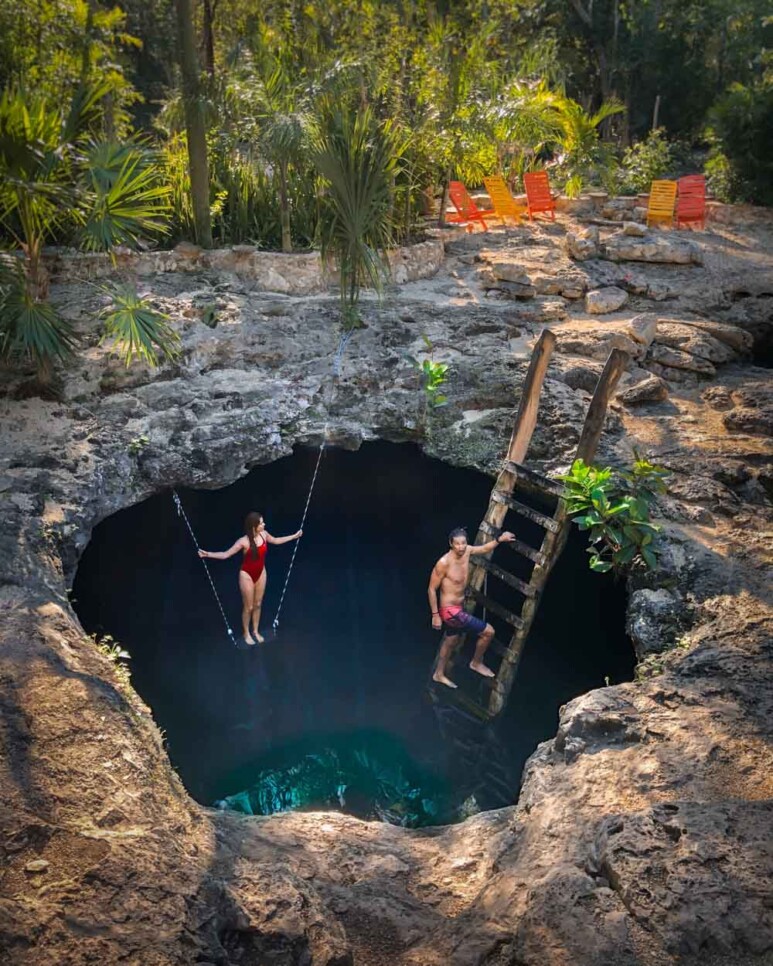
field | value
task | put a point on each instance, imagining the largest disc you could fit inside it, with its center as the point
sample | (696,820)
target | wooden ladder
(490,695)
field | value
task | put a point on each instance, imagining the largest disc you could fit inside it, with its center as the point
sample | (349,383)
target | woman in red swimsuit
(252,575)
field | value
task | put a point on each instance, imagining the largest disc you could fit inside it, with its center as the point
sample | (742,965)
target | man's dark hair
(457,532)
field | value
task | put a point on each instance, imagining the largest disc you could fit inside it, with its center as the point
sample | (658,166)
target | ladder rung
(507,615)
(536,480)
(526,511)
(498,647)
(526,589)
(464,703)
(516,545)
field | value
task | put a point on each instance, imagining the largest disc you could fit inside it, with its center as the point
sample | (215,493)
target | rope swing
(337,359)
(181,513)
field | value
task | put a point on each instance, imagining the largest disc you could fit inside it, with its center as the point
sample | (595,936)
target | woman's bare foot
(259,638)
(248,639)
(442,679)
(482,669)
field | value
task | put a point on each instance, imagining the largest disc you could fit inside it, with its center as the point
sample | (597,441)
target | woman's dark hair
(252,520)
(457,532)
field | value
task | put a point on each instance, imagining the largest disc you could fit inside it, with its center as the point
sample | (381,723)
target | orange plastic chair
(660,207)
(538,194)
(466,208)
(504,204)
(691,201)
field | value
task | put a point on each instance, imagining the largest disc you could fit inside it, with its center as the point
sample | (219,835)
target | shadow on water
(341,691)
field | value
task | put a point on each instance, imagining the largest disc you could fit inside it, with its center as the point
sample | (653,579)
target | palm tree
(284,134)
(582,153)
(357,157)
(53,179)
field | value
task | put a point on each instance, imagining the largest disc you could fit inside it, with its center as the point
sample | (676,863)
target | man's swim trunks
(458,621)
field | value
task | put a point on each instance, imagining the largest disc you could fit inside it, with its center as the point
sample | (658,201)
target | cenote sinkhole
(333,712)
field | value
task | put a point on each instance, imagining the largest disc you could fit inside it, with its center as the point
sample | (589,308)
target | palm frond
(138,330)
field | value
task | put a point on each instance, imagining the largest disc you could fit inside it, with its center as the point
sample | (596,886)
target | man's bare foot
(482,669)
(442,679)
(248,639)
(260,638)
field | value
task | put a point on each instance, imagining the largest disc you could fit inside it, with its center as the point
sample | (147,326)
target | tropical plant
(645,161)
(138,331)
(581,154)
(433,376)
(54,179)
(356,156)
(741,127)
(615,508)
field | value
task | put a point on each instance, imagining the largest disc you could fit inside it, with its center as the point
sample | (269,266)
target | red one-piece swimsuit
(253,565)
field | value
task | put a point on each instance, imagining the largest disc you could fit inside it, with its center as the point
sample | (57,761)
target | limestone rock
(596,342)
(654,248)
(654,620)
(743,420)
(693,340)
(651,389)
(682,376)
(642,329)
(603,300)
(582,377)
(583,244)
(737,339)
(510,272)
(618,209)
(634,229)
(677,359)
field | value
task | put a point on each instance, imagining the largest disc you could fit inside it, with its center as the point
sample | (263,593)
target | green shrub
(644,162)
(615,507)
(741,128)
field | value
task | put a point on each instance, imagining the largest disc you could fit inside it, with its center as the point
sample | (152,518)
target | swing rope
(181,513)
(337,360)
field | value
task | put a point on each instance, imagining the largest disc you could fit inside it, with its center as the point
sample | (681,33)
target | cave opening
(333,712)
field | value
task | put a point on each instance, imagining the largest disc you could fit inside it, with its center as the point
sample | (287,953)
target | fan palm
(357,157)
(49,180)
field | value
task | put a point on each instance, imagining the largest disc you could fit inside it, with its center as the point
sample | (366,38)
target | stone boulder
(694,342)
(654,620)
(653,248)
(583,244)
(652,389)
(618,209)
(600,301)
(596,340)
(582,377)
(643,328)
(678,359)
(634,229)
(739,340)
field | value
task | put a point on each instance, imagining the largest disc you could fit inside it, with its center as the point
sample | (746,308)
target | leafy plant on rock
(433,376)
(138,330)
(614,506)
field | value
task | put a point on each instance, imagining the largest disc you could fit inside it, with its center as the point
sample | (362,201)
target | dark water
(341,691)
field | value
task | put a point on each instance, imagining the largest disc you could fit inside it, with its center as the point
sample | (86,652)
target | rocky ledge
(642,836)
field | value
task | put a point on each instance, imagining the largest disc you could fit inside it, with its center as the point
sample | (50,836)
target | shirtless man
(449,576)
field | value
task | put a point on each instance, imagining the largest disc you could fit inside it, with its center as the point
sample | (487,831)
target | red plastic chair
(466,208)
(691,201)
(538,194)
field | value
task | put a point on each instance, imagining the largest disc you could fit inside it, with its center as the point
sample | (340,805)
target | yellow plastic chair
(661,204)
(502,200)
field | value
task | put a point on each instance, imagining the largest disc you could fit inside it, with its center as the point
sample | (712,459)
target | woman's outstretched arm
(241,544)
(278,540)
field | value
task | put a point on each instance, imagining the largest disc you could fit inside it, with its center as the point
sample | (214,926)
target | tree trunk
(444,199)
(284,207)
(194,123)
(209,36)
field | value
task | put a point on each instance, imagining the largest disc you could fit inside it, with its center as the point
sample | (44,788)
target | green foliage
(644,162)
(138,331)
(30,330)
(109,647)
(138,444)
(615,508)
(433,376)
(583,157)
(721,179)
(356,156)
(741,128)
